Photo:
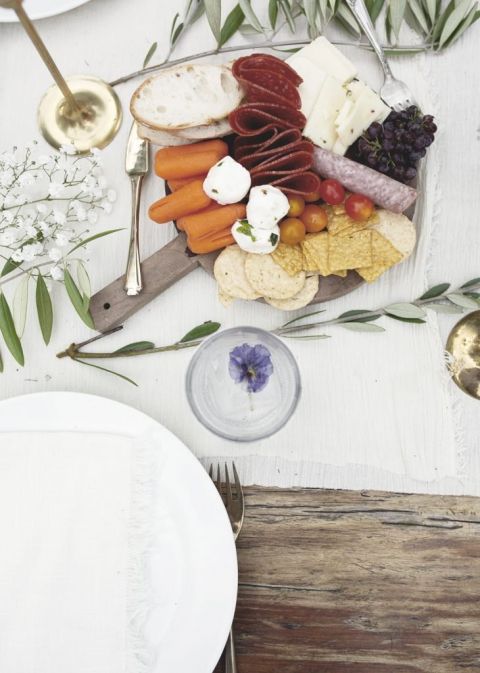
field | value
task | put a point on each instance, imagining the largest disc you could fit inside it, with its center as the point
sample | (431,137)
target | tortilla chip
(289,257)
(315,252)
(350,252)
(343,225)
(342,274)
(384,256)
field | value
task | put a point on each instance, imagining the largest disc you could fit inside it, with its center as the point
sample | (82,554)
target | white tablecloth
(110,38)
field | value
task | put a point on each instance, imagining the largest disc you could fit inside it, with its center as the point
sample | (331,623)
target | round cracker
(397,229)
(270,280)
(300,300)
(229,272)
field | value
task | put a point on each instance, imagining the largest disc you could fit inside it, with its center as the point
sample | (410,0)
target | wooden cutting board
(111,306)
(350,582)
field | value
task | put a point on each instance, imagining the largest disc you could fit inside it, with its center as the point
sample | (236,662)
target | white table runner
(73,530)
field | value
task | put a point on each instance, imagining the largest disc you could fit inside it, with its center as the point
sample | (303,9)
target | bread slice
(186,97)
(161,138)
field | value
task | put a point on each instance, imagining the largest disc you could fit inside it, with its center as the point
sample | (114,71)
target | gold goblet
(83,111)
(463,344)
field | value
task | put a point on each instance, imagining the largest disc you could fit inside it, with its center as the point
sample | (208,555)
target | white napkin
(73,530)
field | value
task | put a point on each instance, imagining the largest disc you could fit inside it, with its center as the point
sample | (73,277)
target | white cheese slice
(320,126)
(368,108)
(339,147)
(313,78)
(330,59)
(345,111)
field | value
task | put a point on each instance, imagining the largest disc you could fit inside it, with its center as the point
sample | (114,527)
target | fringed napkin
(74,528)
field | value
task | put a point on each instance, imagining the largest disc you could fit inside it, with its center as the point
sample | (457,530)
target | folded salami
(300,184)
(266,62)
(355,177)
(255,118)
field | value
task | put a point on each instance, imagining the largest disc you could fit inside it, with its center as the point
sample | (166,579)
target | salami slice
(300,184)
(269,87)
(265,62)
(255,118)
(282,162)
(257,158)
(383,191)
(273,138)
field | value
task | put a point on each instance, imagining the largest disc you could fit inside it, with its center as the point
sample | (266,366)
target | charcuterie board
(288,181)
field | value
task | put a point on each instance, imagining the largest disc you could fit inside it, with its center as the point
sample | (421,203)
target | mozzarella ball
(266,206)
(227,181)
(252,239)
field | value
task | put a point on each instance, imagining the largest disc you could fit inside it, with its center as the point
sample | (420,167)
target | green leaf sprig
(438,298)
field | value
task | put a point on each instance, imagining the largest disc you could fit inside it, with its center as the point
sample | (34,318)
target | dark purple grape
(371,159)
(398,173)
(388,144)
(428,119)
(410,173)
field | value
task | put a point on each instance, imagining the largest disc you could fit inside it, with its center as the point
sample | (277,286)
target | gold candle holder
(83,111)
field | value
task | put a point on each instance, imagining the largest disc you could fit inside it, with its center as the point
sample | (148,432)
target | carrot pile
(206,223)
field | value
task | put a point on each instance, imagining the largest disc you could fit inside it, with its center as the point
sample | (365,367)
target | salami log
(355,177)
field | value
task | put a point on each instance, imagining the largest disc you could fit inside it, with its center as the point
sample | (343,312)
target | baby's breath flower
(112,195)
(55,254)
(56,273)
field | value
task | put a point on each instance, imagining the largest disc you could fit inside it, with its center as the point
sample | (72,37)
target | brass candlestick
(83,111)
(463,344)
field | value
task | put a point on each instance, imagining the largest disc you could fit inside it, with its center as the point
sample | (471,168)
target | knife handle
(133,274)
(112,306)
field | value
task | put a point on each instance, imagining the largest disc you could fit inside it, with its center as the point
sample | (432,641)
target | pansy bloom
(251,366)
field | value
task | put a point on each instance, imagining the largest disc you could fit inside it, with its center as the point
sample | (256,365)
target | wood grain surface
(358,582)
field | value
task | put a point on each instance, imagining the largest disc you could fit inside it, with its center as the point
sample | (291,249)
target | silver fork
(394,92)
(235,506)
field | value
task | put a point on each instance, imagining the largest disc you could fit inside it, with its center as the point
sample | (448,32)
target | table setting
(239,328)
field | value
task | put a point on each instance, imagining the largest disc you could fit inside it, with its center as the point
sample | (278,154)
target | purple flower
(251,365)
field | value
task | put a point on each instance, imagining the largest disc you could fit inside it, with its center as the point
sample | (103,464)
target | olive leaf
(232,23)
(435,291)
(20,304)
(149,54)
(213,10)
(9,266)
(104,369)
(405,310)
(92,238)
(396,10)
(462,300)
(432,7)
(445,308)
(356,312)
(1,364)
(44,308)
(417,321)
(84,284)
(77,300)
(201,331)
(287,12)
(415,12)
(469,283)
(374,8)
(362,327)
(454,20)
(250,15)
(136,346)
(273,12)
(346,19)
(311,7)
(9,334)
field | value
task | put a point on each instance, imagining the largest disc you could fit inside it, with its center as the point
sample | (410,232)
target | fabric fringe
(145,463)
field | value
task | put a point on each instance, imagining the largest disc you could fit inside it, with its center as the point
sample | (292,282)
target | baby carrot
(205,245)
(188,199)
(205,224)
(177,165)
(212,206)
(214,145)
(180,182)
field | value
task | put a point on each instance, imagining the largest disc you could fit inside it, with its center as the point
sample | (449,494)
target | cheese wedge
(366,109)
(320,126)
(323,54)
(313,78)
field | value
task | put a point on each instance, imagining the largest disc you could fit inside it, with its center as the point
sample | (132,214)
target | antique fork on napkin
(136,165)
(235,505)
(395,93)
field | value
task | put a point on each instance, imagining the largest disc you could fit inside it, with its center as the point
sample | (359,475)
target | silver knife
(136,165)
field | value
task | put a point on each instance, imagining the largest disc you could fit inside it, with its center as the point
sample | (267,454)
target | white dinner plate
(41,9)
(194,574)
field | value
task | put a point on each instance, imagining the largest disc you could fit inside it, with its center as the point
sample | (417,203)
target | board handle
(112,306)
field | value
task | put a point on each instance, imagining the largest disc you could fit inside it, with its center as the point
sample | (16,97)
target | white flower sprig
(48,203)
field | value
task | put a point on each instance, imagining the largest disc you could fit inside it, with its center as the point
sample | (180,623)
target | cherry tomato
(359,207)
(292,230)
(312,197)
(297,204)
(315,218)
(332,192)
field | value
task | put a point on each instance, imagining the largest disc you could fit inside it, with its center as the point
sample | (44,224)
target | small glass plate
(226,407)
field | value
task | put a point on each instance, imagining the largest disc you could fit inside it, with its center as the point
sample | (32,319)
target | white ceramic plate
(195,573)
(41,9)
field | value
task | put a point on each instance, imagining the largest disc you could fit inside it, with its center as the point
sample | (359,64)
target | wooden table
(358,582)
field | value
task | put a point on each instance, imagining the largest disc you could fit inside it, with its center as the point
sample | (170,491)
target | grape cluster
(396,146)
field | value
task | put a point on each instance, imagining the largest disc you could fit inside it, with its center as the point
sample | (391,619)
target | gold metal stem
(72,108)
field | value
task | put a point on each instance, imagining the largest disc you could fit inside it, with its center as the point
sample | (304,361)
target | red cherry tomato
(332,192)
(359,207)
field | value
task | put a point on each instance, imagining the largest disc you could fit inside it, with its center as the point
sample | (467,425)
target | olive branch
(439,298)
